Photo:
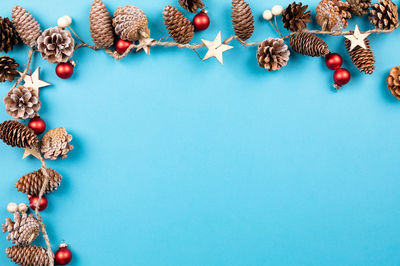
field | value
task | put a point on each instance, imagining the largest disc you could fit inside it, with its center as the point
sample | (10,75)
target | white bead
(22,207)
(64,21)
(277,10)
(267,14)
(12,207)
(69,19)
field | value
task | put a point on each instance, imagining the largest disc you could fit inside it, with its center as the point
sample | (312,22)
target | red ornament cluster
(63,255)
(341,76)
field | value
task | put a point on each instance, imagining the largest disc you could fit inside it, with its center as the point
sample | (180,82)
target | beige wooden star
(216,48)
(357,39)
(34,81)
(32,151)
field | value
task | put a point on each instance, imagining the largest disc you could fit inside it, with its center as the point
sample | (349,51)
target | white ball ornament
(12,207)
(277,10)
(22,207)
(64,21)
(267,14)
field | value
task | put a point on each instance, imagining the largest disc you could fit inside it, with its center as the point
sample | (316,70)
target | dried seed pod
(242,19)
(308,44)
(178,26)
(272,54)
(362,58)
(32,183)
(14,134)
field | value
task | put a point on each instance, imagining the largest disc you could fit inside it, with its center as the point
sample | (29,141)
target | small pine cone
(178,26)
(308,44)
(26,25)
(22,102)
(8,68)
(101,28)
(295,17)
(32,183)
(23,230)
(272,54)
(56,143)
(359,7)
(393,81)
(56,45)
(242,19)
(384,15)
(8,36)
(28,255)
(14,134)
(362,58)
(191,5)
(332,15)
(131,23)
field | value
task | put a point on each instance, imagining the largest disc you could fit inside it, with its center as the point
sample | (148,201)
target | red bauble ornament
(341,77)
(333,61)
(63,255)
(33,201)
(64,70)
(37,125)
(122,45)
(201,21)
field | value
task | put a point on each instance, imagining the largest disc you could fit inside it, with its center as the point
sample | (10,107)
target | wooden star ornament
(357,39)
(32,151)
(216,48)
(34,81)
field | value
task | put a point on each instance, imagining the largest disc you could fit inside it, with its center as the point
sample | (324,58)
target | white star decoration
(33,81)
(357,39)
(216,48)
(31,151)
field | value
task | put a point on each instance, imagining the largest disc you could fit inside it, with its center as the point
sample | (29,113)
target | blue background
(184,162)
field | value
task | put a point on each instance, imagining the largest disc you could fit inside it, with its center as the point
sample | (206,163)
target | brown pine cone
(242,19)
(332,15)
(23,230)
(56,143)
(32,183)
(308,44)
(362,58)
(8,36)
(22,103)
(14,134)
(28,255)
(56,45)
(384,15)
(393,81)
(295,17)
(359,7)
(26,25)
(272,54)
(101,28)
(131,23)
(178,26)
(191,5)
(8,68)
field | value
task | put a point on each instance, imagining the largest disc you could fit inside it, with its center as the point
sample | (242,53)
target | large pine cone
(56,45)
(359,7)
(384,15)
(178,26)
(191,5)
(8,36)
(22,103)
(26,25)
(8,68)
(242,19)
(295,17)
(14,134)
(28,255)
(32,183)
(393,81)
(308,44)
(362,58)
(23,230)
(272,54)
(131,23)
(332,15)
(56,143)
(101,28)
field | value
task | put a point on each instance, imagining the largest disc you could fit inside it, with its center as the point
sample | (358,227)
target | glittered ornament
(63,255)
(201,21)
(121,46)
(341,77)
(333,61)
(37,125)
(64,70)
(33,202)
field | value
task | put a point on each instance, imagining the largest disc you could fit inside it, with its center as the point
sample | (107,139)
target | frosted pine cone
(332,15)
(296,17)
(362,58)
(55,143)
(28,255)
(8,36)
(101,28)
(22,103)
(308,44)
(242,19)
(14,134)
(131,23)
(191,5)
(178,26)
(32,183)
(23,230)
(56,45)
(272,54)
(384,15)
(8,68)
(359,7)
(393,81)
(26,25)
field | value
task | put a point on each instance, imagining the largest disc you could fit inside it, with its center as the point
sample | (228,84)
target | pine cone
(56,45)
(14,134)
(23,230)
(178,26)
(131,23)
(8,36)
(22,102)
(242,19)
(308,44)
(26,25)
(101,28)
(295,17)
(28,255)
(273,54)
(359,7)
(393,81)
(8,68)
(55,143)
(32,183)
(362,58)
(384,15)
(191,5)
(332,15)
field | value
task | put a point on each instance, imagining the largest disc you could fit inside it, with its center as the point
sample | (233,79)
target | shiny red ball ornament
(33,201)
(333,61)
(201,21)
(64,70)
(341,77)
(122,45)
(63,255)
(37,125)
